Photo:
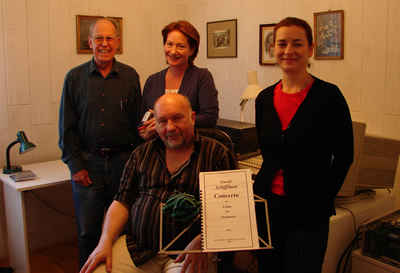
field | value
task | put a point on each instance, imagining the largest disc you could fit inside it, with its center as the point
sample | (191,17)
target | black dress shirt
(98,112)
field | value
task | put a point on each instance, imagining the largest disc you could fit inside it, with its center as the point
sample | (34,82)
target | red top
(286,105)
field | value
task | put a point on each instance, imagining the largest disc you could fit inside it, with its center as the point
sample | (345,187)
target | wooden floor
(57,259)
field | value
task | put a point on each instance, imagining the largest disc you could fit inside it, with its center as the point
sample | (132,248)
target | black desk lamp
(26,146)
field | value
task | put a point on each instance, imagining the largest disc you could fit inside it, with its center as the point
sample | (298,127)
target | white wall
(37,48)
(368,76)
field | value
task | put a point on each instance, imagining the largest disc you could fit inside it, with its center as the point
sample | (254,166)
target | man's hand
(198,262)
(103,252)
(82,177)
(148,130)
(115,220)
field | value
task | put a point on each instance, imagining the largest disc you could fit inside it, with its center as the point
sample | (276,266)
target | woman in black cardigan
(306,140)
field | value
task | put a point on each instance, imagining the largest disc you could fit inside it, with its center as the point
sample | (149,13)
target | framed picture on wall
(329,35)
(83,23)
(266,56)
(222,39)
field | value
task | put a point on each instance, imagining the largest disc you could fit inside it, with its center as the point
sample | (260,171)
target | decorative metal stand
(265,242)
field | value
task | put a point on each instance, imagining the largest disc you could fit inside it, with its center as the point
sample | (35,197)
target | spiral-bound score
(201,217)
(227,215)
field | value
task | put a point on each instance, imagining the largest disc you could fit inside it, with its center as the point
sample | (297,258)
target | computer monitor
(349,185)
(375,162)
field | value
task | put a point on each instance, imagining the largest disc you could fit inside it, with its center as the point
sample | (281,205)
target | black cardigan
(315,151)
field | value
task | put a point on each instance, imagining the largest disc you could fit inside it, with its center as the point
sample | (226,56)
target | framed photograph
(83,23)
(329,35)
(266,55)
(222,39)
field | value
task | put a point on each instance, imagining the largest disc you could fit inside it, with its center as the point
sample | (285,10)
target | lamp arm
(8,153)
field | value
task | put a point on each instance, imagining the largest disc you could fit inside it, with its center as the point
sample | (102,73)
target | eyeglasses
(99,39)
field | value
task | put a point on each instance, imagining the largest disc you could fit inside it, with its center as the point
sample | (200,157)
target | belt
(110,151)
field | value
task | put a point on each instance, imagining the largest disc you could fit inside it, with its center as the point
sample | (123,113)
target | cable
(347,252)
(354,217)
(49,206)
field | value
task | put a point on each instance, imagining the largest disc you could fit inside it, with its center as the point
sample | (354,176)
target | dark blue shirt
(98,112)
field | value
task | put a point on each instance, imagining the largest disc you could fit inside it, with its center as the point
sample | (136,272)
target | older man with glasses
(99,114)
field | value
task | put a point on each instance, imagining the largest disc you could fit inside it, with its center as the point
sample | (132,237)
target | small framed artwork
(222,39)
(266,55)
(329,35)
(83,23)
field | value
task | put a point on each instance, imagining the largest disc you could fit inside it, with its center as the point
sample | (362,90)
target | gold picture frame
(222,39)
(266,55)
(83,23)
(329,35)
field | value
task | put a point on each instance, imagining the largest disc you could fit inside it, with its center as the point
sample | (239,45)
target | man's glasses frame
(100,39)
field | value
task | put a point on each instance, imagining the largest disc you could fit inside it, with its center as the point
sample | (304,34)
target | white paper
(228,211)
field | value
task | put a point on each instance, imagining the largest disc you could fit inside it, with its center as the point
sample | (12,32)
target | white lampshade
(251,92)
(253,88)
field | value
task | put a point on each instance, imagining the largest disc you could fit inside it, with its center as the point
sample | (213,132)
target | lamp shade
(253,88)
(25,146)
(251,92)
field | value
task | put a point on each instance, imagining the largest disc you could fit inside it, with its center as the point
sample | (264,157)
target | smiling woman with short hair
(306,140)
(181,45)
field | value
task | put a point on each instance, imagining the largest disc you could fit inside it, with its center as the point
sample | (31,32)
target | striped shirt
(146,181)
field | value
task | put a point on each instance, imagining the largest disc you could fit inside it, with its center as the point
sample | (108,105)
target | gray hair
(108,19)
